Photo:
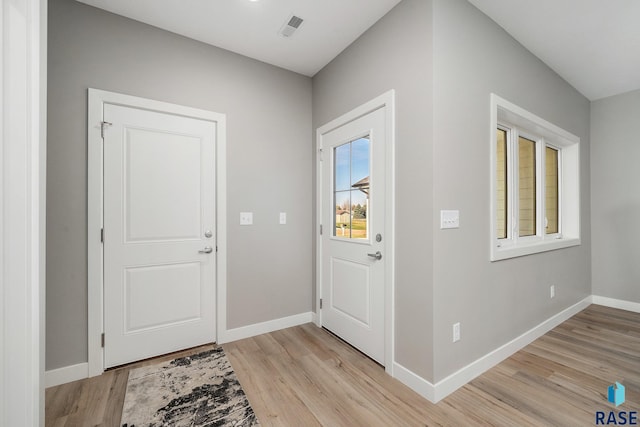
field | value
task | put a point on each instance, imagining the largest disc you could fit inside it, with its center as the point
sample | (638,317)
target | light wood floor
(304,376)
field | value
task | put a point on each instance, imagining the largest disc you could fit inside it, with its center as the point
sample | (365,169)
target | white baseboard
(80,371)
(66,374)
(264,327)
(456,380)
(446,386)
(432,392)
(414,381)
(617,303)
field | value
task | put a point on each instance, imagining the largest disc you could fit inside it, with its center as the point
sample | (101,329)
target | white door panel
(172,305)
(151,159)
(350,290)
(353,201)
(159,202)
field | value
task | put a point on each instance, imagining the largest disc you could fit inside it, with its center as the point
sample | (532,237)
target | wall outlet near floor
(552,291)
(456,332)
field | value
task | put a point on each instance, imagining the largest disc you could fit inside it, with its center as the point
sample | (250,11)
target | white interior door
(353,239)
(159,233)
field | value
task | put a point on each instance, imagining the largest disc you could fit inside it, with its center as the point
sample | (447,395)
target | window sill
(498,254)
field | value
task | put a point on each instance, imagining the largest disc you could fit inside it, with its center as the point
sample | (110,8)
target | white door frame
(386,101)
(96,100)
(23,86)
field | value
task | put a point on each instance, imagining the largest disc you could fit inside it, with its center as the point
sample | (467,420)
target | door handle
(377,255)
(206,250)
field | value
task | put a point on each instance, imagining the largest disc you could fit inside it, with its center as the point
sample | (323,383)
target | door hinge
(320,154)
(102,235)
(102,340)
(321,229)
(103,125)
(320,303)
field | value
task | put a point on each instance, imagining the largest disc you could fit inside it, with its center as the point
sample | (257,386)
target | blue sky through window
(352,164)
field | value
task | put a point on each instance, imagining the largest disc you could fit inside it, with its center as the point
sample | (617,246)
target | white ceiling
(593,44)
(251,28)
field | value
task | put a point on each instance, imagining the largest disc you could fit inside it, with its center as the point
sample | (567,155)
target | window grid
(351,189)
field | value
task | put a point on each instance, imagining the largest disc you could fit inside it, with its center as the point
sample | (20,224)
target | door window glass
(351,189)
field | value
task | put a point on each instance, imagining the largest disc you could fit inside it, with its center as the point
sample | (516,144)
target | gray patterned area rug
(195,391)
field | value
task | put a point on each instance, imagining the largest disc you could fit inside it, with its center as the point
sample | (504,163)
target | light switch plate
(246,218)
(456,332)
(283,218)
(449,219)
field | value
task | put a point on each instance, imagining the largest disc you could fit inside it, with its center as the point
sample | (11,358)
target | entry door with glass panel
(353,243)
(159,223)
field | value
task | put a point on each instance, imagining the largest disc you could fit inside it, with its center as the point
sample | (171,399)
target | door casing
(96,101)
(387,102)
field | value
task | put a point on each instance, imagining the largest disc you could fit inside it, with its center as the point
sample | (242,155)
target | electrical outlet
(552,291)
(449,219)
(456,332)
(283,218)
(246,218)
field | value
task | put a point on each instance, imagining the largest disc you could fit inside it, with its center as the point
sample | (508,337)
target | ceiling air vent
(292,24)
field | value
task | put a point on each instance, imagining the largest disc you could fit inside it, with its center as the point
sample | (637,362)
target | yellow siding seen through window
(501,185)
(551,190)
(527,187)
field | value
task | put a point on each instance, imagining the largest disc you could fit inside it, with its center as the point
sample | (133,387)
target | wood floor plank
(267,394)
(329,399)
(305,376)
(115,401)
(489,408)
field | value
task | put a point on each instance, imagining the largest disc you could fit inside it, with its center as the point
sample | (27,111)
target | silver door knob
(206,250)
(377,255)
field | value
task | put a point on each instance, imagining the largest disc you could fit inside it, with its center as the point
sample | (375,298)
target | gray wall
(495,302)
(615,207)
(396,54)
(444,58)
(268,138)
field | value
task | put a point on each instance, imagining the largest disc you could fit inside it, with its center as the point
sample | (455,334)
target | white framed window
(535,183)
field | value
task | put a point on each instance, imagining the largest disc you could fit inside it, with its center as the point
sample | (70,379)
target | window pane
(342,162)
(501,185)
(360,152)
(359,207)
(351,192)
(551,190)
(527,186)
(343,214)
(359,160)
